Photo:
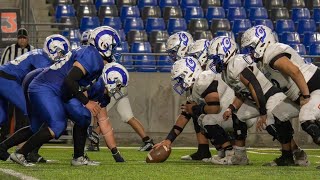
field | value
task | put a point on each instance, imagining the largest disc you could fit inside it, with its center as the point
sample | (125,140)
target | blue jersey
(25,63)
(96,93)
(53,77)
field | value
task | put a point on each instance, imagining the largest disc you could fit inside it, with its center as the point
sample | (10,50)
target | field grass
(173,168)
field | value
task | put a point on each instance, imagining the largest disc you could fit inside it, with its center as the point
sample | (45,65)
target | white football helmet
(85,37)
(178,44)
(255,40)
(220,51)
(56,46)
(199,50)
(115,78)
(184,73)
(106,40)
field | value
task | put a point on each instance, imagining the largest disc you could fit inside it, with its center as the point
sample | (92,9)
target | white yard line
(17,174)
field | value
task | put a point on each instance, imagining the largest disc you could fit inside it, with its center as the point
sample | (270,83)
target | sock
(79,140)
(203,147)
(36,140)
(286,153)
(36,150)
(114,150)
(145,139)
(18,137)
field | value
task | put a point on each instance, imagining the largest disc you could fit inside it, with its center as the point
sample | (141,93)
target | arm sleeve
(71,83)
(246,73)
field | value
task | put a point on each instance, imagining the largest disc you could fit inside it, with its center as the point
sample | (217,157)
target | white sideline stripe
(17,174)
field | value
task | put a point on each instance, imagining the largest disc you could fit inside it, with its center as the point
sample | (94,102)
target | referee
(10,53)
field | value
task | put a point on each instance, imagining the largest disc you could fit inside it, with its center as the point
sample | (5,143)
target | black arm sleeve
(247,74)
(71,83)
(274,59)
(213,87)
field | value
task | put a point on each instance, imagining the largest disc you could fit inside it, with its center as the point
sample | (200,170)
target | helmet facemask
(179,84)
(115,89)
(217,64)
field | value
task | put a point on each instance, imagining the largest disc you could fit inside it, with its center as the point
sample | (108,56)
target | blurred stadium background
(145,25)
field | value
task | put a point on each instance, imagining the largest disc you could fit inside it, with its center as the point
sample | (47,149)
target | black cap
(22,32)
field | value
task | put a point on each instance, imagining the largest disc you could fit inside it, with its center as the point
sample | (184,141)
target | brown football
(158,155)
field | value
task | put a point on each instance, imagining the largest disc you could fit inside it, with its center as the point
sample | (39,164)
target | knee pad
(240,128)
(216,134)
(196,126)
(272,130)
(313,130)
(284,131)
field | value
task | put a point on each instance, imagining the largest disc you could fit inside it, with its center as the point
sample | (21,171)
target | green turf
(173,168)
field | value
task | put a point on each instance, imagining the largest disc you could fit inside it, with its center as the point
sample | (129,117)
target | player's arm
(285,66)
(236,104)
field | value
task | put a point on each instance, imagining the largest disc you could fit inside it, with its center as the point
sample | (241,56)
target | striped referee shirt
(13,51)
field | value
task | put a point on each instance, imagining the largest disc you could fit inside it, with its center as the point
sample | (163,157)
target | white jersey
(279,79)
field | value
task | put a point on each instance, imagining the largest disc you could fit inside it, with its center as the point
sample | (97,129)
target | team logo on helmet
(183,38)
(206,44)
(117,70)
(190,64)
(260,33)
(226,44)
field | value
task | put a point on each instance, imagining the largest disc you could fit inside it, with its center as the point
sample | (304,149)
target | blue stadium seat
(314,49)
(126,61)
(300,48)
(300,13)
(144,3)
(88,22)
(166,3)
(240,25)
(266,22)
(290,38)
(74,44)
(193,12)
(226,4)
(104,2)
(258,13)
(143,63)
(122,35)
(215,12)
(72,34)
(155,24)
(229,34)
(236,13)
(64,10)
(114,22)
(176,24)
(129,11)
(284,25)
(133,23)
(310,38)
(189,3)
(306,25)
(252,3)
(316,15)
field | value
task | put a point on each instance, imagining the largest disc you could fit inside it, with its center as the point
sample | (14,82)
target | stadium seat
(64,10)
(167,3)
(199,24)
(145,3)
(271,4)
(300,48)
(86,10)
(312,4)
(137,36)
(316,15)
(176,24)
(133,23)
(290,38)
(104,2)
(125,60)
(74,44)
(114,22)
(122,35)
(252,3)
(108,11)
(220,25)
(258,13)
(163,62)
(70,20)
(121,3)
(231,3)
(240,25)
(129,11)
(88,22)
(143,63)
(295,4)
(172,12)
(310,38)
(279,13)
(193,12)
(229,34)
(300,13)
(215,12)
(306,25)
(209,3)
(78,3)
(266,22)
(55,3)
(202,35)
(189,3)
(158,36)
(72,34)
(151,11)
(314,49)
(236,13)
(155,24)
(284,25)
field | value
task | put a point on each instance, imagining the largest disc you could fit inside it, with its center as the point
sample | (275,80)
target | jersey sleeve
(41,61)
(237,65)
(90,59)
(206,83)
(274,52)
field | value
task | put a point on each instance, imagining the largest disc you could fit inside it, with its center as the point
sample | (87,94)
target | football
(158,155)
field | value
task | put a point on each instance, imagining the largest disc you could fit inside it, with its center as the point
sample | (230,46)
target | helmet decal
(260,33)
(190,64)
(226,44)
(102,33)
(183,38)
(120,71)
(206,44)
(65,45)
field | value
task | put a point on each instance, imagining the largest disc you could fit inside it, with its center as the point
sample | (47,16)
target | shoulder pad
(273,50)
(238,64)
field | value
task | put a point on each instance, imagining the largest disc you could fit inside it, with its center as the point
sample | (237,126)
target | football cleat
(20,159)
(300,157)
(117,157)
(221,154)
(197,156)
(147,146)
(93,146)
(231,159)
(36,158)
(84,161)
(281,161)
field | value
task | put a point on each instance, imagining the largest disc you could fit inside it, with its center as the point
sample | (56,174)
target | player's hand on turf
(303,101)
(166,143)
(227,114)
(262,123)
(94,107)
(187,107)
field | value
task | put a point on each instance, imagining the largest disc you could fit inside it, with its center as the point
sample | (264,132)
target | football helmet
(184,73)
(178,44)
(56,46)
(199,50)
(84,37)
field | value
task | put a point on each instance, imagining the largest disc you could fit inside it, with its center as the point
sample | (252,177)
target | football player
(250,84)
(61,82)
(12,75)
